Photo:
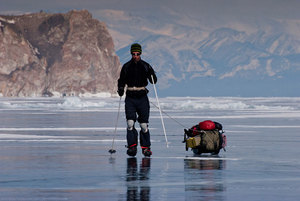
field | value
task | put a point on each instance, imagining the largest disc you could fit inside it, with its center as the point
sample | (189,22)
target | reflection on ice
(205,163)
(204,179)
(135,175)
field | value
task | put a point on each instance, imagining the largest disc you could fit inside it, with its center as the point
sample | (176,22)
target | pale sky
(281,9)
(210,13)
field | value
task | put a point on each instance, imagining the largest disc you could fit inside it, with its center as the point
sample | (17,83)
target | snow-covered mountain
(200,47)
(238,58)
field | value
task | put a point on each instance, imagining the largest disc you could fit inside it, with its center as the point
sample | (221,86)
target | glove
(154,78)
(121,91)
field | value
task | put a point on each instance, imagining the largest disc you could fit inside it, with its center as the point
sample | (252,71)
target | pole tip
(112,151)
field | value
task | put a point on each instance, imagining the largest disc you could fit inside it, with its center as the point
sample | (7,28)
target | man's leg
(132,135)
(143,112)
(132,138)
(145,139)
(144,135)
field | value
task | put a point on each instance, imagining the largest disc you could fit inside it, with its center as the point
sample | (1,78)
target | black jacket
(136,75)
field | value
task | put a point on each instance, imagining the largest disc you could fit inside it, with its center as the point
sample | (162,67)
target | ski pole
(112,150)
(161,117)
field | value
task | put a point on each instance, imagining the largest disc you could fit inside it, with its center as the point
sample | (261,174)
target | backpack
(205,137)
(203,126)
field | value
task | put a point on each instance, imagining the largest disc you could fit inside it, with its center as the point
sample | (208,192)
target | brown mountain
(45,54)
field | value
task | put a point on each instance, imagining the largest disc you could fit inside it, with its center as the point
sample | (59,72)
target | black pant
(137,109)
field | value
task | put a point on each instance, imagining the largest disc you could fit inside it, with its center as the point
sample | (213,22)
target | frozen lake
(57,149)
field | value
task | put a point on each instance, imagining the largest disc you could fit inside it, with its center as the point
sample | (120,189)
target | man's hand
(154,78)
(121,91)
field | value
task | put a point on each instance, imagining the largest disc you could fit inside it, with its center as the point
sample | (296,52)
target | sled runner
(205,137)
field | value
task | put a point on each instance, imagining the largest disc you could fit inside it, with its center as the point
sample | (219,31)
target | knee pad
(144,127)
(130,124)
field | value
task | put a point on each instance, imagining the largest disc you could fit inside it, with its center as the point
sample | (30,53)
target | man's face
(136,56)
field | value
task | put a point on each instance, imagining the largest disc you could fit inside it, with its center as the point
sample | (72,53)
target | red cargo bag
(207,125)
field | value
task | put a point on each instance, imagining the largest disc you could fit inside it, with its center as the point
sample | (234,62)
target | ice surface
(57,149)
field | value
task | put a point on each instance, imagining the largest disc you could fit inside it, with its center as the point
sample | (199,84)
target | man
(135,75)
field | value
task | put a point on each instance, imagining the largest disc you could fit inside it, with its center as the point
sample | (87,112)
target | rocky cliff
(44,54)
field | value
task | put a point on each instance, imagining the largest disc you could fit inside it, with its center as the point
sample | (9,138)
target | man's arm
(151,72)
(121,82)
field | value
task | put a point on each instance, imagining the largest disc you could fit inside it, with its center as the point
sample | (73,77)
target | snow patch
(7,21)
(102,102)
(254,64)
(269,68)
(76,102)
